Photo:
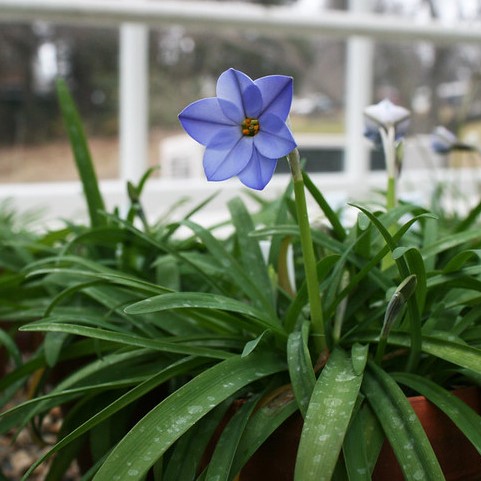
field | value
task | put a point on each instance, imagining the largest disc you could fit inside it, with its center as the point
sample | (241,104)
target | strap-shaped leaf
(360,457)
(174,416)
(337,227)
(187,455)
(126,339)
(219,468)
(458,353)
(233,269)
(323,267)
(445,243)
(261,425)
(82,155)
(465,418)
(460,259)
(301,371)
(401,426)
(204,300)
(327,419)
(9,344)
(250,253)
(179,368)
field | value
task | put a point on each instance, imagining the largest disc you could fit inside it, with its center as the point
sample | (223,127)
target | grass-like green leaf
(196,300)
(401,426)
(332,217)
(126,339)
(233,269)
(250,252)
(261,425)
(189,451)
(82,155)
(327,419)
(111,277)
(455,352)
(460,259)
(177,368)
(362,444)
(9,344)
(174,416)
(220,465)
(452,241)
(324,266)
(301,371)
(465,418)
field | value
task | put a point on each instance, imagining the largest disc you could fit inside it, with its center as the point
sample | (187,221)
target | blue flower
(443,141)
(244,128)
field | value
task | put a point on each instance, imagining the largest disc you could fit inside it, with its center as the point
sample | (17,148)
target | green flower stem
(389,147)
(312,282)
(391,198)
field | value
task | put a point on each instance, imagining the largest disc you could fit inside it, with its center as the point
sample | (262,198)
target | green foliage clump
(149,336)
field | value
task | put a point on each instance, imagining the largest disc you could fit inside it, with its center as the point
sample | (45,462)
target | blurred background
(439,82)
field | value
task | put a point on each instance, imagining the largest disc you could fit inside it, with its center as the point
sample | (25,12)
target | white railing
(133,17)
(276,20)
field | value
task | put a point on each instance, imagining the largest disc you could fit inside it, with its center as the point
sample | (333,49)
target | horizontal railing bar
(61,200)
(284,20)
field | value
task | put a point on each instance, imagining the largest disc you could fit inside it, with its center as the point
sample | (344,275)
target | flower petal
(232,111)
(385,113)
(274,139)
(371,132)
(204,119)
(221,141)
(402,128)
(231,86)
(218,123)
(258,172)
(443,140)
(277,93)
(227,161)
(253,101)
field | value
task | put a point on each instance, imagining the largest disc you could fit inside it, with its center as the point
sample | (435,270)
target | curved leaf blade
(327,419)
(301,370)
(162,426)
(401,426)
(467,420)
(204,300)
(83,159)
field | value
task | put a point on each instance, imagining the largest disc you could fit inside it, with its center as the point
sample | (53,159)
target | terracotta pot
(459,460)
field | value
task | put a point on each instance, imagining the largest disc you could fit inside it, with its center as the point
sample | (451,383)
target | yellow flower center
(250,127)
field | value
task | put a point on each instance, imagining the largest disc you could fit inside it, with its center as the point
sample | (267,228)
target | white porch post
(358,95)
(133,106)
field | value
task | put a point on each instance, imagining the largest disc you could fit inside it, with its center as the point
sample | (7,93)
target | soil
(20,450)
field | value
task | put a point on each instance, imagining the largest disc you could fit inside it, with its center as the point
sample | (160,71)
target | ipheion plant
(386,124)
(245,132)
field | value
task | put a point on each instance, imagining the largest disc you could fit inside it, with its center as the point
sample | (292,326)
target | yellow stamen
(250,127)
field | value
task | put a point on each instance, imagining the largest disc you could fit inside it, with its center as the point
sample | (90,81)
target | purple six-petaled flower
(244,128)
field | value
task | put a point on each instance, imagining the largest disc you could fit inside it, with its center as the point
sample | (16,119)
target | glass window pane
(33,141)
